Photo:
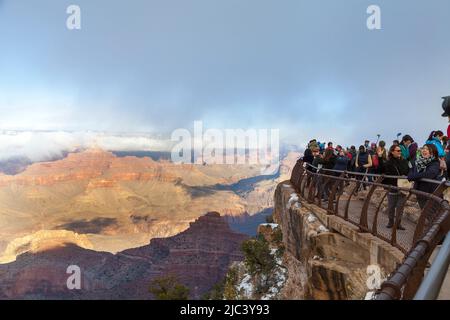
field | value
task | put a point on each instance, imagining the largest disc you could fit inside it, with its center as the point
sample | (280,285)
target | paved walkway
(404,237)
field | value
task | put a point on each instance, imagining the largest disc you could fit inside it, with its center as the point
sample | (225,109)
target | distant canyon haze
(113,201)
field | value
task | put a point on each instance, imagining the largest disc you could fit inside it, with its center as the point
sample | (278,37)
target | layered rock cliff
(123,202)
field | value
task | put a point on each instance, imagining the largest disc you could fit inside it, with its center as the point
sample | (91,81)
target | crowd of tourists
(402,158)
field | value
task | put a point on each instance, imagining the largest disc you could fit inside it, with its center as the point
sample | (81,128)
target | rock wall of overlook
(327,257)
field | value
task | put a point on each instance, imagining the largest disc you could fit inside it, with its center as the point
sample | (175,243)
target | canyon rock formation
(199,257)
(119,203)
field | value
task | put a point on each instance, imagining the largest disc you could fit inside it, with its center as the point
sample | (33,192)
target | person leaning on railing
(426,167)
(326,162)
(310,153)
(395,165)
(315,151)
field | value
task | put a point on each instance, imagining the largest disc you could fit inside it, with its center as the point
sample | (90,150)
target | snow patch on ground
(293,198)
(322,229)
(272,225)
(311,218)
(369,295)
(246,286)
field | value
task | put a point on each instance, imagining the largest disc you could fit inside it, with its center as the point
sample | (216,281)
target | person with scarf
(426,167)
(396,165)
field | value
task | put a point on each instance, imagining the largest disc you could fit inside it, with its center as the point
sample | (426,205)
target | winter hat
(313,145)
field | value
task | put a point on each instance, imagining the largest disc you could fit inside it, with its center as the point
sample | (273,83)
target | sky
(311,69)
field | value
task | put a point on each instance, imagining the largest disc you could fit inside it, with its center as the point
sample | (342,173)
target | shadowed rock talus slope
(198,256)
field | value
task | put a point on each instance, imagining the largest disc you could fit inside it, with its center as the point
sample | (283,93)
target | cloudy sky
(310,68)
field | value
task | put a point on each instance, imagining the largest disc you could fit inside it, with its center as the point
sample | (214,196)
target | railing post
(297,173)
(311,190)
(347,206)
(363,225)
(306,183)
(333,194)
(375,218)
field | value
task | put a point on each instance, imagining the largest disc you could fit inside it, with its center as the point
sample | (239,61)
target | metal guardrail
(431,285)
(417,241)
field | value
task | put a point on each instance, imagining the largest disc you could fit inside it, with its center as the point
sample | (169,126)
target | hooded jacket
(437,143)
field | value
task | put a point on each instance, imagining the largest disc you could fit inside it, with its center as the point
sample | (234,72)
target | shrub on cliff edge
(168,288)
(257,256)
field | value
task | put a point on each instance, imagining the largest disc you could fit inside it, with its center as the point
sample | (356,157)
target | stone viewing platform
(342,242)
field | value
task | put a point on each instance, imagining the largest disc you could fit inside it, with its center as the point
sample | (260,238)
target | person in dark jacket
(353,153)
(308,156)
(396,165)
(341,162)
(363,163)
(328,160)
(447,160)
(426,167)
(315,151)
